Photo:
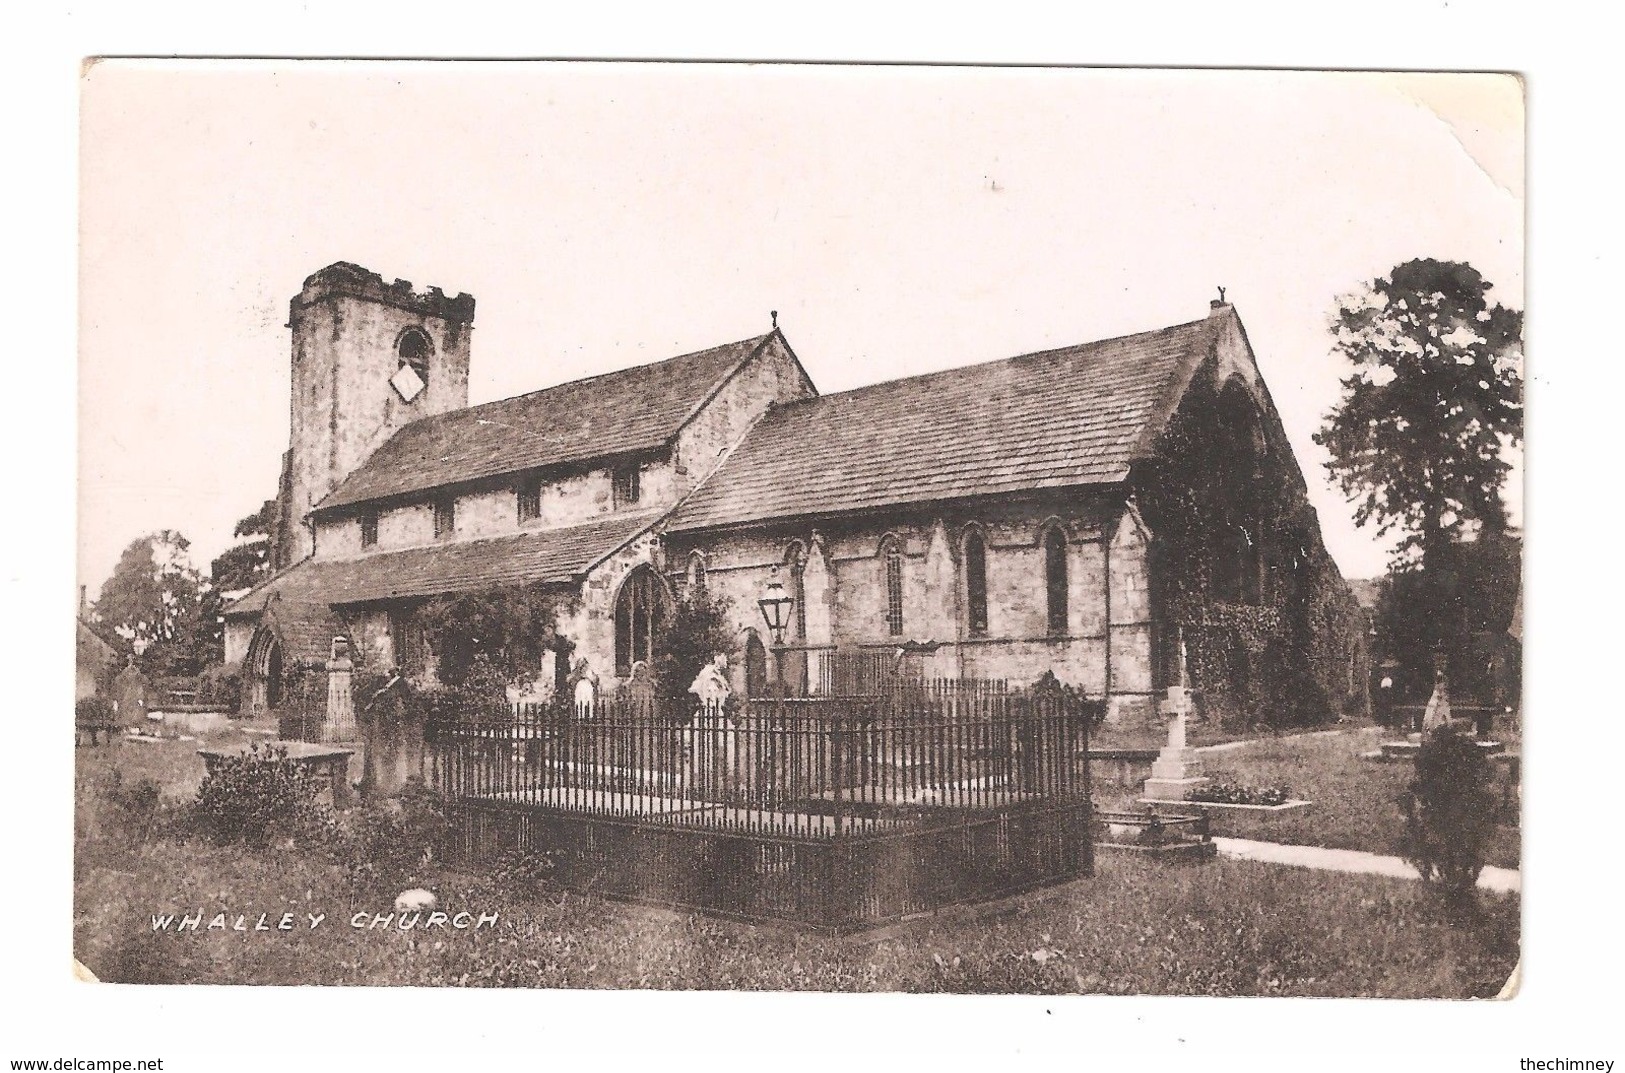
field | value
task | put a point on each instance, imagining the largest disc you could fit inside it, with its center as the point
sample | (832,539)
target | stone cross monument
(1177,770)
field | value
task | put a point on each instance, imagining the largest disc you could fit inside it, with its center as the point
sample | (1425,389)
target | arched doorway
(262,672)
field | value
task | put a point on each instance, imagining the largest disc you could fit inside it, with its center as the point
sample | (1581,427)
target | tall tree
(1420,437)
(247,562)
(154,598)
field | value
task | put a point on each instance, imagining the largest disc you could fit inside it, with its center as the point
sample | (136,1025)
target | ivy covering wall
(1241,580)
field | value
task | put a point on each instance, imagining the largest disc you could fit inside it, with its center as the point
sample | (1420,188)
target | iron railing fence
(834,812)
(792,767)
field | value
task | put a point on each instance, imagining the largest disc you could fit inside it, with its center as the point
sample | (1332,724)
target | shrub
(96,709)
(479,697)
(120,810)
(1449,813)
(259,795)
(518,875)
(389,846)
(700,629)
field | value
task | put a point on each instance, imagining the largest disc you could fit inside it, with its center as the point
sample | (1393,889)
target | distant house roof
(615,413)
(548,556)
(1080,415)
(102,634)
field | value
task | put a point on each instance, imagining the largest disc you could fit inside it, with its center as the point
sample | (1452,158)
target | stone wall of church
(772,376)
(238,632)
(847,602)
(573,499)
(591,628)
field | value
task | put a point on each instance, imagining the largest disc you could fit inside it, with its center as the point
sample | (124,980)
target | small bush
(258,796)
(519,875)
(121,810)
(1449,813)
(384,848)
(91,710)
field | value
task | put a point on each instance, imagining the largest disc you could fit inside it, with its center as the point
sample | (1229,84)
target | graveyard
(1135,925)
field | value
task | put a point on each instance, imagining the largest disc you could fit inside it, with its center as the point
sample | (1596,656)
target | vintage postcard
(800,528)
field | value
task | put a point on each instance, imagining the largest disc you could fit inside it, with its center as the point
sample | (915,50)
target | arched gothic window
(1055,579)
(891,553)
(975,552)
(696,572)
(640,615)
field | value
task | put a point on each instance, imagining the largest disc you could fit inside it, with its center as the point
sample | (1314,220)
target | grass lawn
(1227,927)
(1355,801)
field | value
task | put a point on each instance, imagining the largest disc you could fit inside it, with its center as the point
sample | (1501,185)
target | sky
(899,219)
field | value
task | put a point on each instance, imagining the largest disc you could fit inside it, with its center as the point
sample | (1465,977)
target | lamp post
(776,605)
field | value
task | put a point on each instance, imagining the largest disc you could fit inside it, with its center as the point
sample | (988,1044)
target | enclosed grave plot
(880,811)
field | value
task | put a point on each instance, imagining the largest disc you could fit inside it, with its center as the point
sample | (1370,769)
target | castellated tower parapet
(368,357)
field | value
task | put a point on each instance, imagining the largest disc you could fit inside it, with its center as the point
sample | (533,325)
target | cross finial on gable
(1221,295)
(774,313)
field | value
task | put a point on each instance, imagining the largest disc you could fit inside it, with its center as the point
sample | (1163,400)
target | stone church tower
(368,358)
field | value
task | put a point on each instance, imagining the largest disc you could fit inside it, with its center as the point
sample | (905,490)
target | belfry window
(414,349)
(412,376)
(445,517)
(369,529)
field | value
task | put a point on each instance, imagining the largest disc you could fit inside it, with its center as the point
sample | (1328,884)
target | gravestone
(711,754)
(392,732)
(583,688)
(640,691)
(130,689)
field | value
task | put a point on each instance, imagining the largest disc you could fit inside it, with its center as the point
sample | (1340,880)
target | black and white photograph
(810,538)
(758,527)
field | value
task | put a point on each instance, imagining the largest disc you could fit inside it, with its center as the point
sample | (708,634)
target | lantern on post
(776,605)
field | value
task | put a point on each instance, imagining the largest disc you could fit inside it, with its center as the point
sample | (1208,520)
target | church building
(1125,513)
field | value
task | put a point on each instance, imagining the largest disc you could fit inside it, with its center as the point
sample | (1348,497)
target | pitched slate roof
(556,555)
(1079,415)
(104,634)
(614,413)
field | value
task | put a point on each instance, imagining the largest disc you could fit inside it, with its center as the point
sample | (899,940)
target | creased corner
(1509,990)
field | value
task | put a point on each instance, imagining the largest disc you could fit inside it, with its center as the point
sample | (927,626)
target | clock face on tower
(407,383)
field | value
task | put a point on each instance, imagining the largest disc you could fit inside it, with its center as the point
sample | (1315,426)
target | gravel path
(1499,880)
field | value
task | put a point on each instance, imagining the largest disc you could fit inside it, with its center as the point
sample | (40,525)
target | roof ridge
(757,339)
(983,365)
(1064,416)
